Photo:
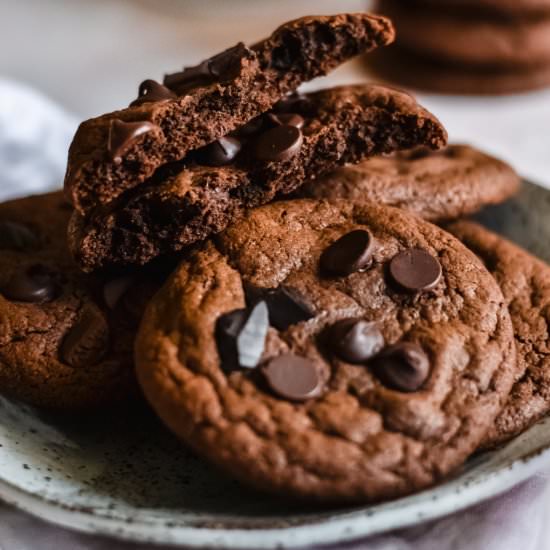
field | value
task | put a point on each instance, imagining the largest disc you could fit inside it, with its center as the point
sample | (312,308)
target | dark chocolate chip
(286,308)
(289,119)
(415,270)
(355,340)
(36,284)
(16,236)
(350,253)
(220,152)
(241,336)
(221,67)
(123,134)
(293,102)
(151,91)
(292,377)
(250,128)
(403,366)
(88,340)
(114,289)
(279,143)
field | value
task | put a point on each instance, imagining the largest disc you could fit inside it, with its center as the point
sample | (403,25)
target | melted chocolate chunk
(293,102)
(241,336)
(279,143)
(289,119)
(15,236)
(350,253)
(355,340)
(220,152)
(292,377)
(88,340)
(123,134)
(115,289)
(415,270)
(216,69)
(151,91)
(403,366)
(36,284)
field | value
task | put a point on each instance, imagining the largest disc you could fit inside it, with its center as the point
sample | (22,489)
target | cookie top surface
(525,284)
(421,320)
(435,185)
(189,201)
(465,39)
(117,151)
(400,66)
(66,340)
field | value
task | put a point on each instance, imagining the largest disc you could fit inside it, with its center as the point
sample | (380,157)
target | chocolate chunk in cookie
(188,202)
(525,283)
(204,103)
(391,402)
(435,185)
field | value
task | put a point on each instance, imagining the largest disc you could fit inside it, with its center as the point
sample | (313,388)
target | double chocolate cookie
(329,351)
(118,151)
(525,284)
(302,138)
(66,340)
(435,185)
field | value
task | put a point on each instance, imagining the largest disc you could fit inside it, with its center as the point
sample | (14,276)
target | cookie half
(120,150)
(400,66)
(435,185)
(486,41)
(329,351)
(525,284)
(66,340)
(299,141)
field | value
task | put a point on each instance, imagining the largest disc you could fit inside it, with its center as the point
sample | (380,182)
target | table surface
(89,56)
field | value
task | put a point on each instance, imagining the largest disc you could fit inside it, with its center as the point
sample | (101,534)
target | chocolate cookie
(435,185)
(400,66)
(461,38)
(525,284)
(117,151)
(66,340)
(185,203)
(329,351)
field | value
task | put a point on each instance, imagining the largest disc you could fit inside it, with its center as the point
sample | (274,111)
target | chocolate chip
(355,340)
(88,340)
(292,377)
(15,236)
(289,119)
(151,91)
(122,134)
(250,128)
(114,289)
(221,67)
(404,367)
(219,152)
(285,305)
(36,284)
(293,102)
(279,143)
(241,336)
(350,253)
(415,270)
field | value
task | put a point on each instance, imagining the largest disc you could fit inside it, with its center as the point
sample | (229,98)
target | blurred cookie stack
(468,46)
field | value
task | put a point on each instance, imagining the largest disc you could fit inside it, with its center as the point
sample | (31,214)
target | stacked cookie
(485,47)
(290,315)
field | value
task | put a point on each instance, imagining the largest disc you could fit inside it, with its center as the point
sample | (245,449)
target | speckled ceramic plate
(123,475)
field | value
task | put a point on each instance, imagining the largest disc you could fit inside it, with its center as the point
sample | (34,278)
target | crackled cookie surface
(525,284)
(435,185)
(66,340)
(329,351)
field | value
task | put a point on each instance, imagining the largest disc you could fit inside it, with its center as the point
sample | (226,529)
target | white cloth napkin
(34,136)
